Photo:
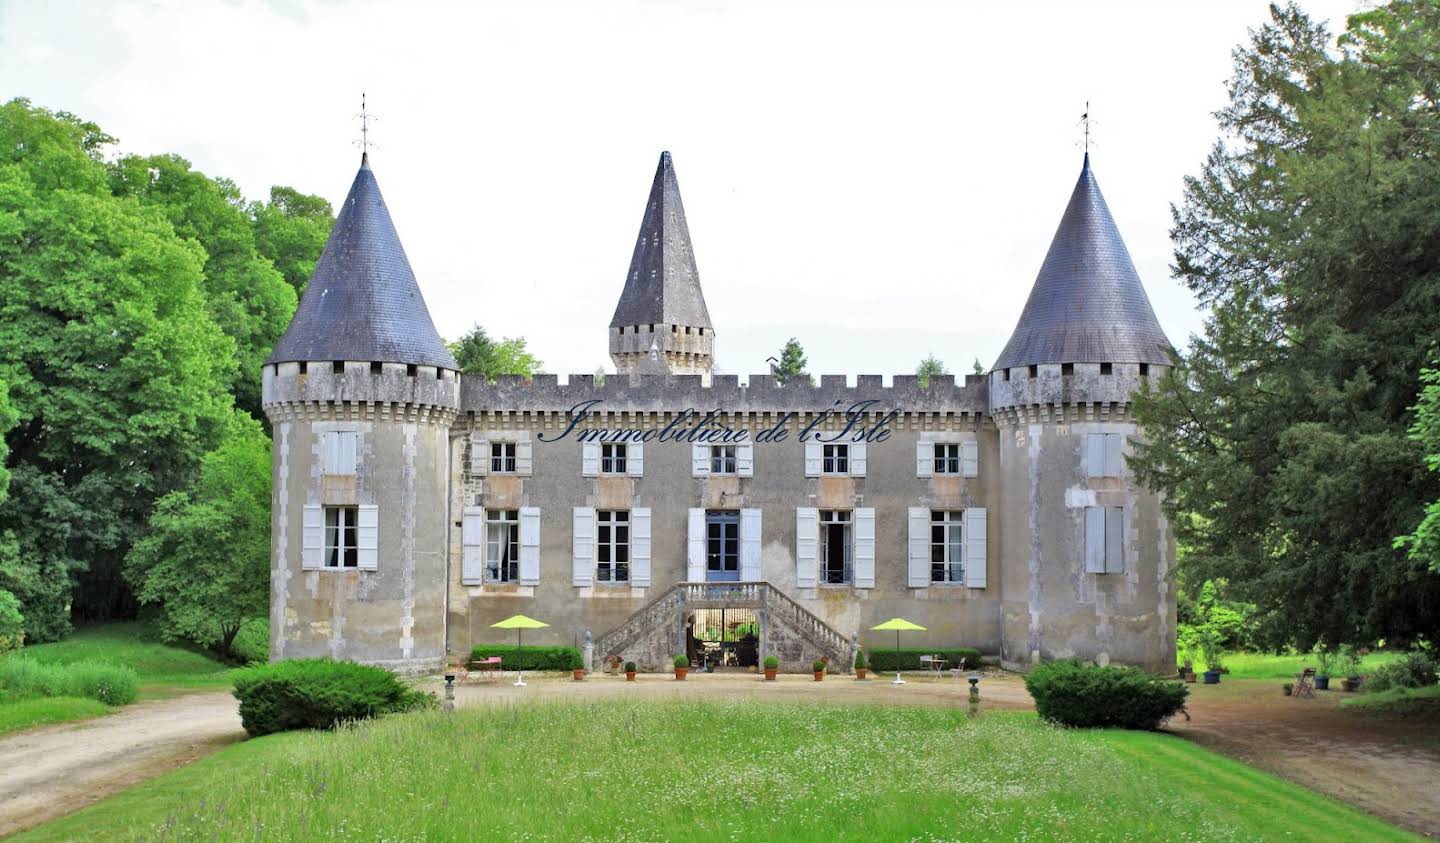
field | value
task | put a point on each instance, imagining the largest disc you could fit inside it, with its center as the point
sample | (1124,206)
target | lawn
(624,770)
(1398,702)
(37,711)
(1272,666)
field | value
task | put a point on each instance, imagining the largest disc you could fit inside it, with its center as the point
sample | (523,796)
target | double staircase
(787,629)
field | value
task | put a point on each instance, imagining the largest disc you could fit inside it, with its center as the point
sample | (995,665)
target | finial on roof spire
(364,142)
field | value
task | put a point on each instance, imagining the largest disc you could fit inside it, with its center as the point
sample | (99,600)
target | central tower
(661,324)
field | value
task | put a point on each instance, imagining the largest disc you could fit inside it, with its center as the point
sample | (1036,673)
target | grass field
(1398,702)
(715,771)
(37,711)
(1272,666)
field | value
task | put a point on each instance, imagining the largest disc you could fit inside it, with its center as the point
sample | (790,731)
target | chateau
(667,510)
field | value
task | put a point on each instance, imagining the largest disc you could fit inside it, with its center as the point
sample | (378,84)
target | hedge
(883,659)
(1072,693)
(319,694)
(530,658)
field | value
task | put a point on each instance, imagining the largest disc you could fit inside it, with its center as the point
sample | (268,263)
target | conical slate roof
(363,302)
(1087,305)
(663,286)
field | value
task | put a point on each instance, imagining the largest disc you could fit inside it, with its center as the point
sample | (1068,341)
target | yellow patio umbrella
(899,625)
(519,623)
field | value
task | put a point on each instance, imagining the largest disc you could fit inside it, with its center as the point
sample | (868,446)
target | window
(722,545)
(722,459)
(1104,540)
(612,458)
(835,559)
(836,460)
(947,557)
(947,457)
(612,545)
(1107,368)
(502,545)
(338,452)
(502,457)
(340,535)
(1104,454)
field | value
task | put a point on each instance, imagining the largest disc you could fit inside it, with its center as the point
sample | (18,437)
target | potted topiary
(819,670)
(578,673)
(1348,666)
(1212,652)
(772,667)
(629,671)
(861,665)
(682,666)
(1322,673)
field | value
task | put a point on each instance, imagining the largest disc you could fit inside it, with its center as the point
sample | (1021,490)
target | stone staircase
(654,634)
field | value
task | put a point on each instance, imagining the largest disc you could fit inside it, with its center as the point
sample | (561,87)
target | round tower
(662,310)
(1088,558)
(361,393)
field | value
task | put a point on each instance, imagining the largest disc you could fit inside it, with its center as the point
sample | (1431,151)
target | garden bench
(1304,684)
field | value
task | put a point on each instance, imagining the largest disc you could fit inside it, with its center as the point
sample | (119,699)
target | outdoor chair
(1305,684)
(487,668)
(927,662)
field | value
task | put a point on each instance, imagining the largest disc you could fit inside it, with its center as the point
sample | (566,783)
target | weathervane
(1085,121)
(365,117)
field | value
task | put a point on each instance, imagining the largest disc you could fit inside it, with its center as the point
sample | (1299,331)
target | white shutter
(338,452)
(857,459)
(750,545)
(1094,540)
(695,555)
(975,561)
(529,545)
(1114,443)
(312,553)
(970,458)
(918,563)
(699,460)
(367,537)
(1094,455)
(640,547)
(472,544)
(924,459)
(745,459)
(812,459)
(1114,540)
(524,458)
(479,456)
(635,459)
(590,459)
(865,547)
(582,552)
(807,546)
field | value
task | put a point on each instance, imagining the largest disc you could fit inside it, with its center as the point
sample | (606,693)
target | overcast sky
(880,180)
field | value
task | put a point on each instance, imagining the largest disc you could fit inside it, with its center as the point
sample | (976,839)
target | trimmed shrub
(884,660)
(817,667)
(860,662)
(111,684)
(629,667)
(319,694)
(772,662)
(1414,670)
(1072,693)
(682,661)
(530,658)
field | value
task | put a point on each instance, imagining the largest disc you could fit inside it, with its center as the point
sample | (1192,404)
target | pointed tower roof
(1087,305)
(363,302)
(663,286)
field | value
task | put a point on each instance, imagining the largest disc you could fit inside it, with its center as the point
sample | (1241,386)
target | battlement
(1070,383)
(359,382)
(662,393)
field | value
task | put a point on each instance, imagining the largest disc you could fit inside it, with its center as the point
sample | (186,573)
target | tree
(206,559)
(792,364)
(291,231)
(1424,543)
(1280,439)
(478,354)
(115,369)
(929,368)
(12,622)
(977,368)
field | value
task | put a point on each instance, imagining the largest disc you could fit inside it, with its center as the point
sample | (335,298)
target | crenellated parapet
(1092,391)
(360,390)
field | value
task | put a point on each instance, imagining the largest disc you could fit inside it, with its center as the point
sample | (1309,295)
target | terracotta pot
(770,673)
(1190,677)
(860,672)
(819,676)
(578,674)
(629,676)
(681,672)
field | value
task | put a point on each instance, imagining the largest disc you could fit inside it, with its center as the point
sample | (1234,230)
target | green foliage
(928,368)
(1281,440)
(530,658)
(1416,669)
(792,364)
(817,666)
(1396,702)
(630,667)
(1086,696)
(133,645)
(291,230)
(38,711)
(12,623)
(206,560)
(7,421)
(1423,545)
(772,663)
(860,662)
(115,368)
(682,660)
(885,659)
(478,354)
(108,683)
(319,694)
(252,642)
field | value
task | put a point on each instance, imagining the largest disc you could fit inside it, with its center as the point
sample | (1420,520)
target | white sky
(880,180)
